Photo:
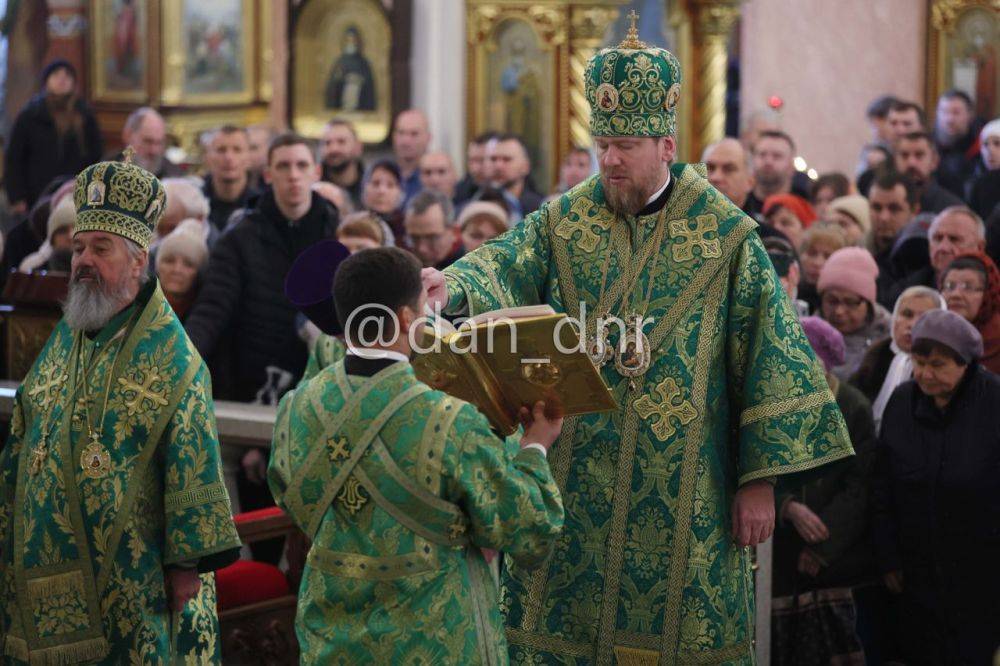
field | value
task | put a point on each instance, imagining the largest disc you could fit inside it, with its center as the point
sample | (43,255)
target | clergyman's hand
(437,292)
(753,513)
(540,428)
(183,586)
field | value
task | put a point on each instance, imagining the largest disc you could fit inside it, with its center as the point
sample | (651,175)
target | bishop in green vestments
(399,486)
(719,392)
(113,512)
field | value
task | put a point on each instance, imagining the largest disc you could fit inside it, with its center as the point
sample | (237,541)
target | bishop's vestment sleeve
(9,456)
(511,499)
(788,419)
(504,272)
(199,519)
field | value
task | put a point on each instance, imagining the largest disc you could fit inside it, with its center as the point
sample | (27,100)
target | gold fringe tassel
(61,655)
(70,582)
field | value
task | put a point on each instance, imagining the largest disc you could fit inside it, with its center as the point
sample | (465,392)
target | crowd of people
(893,270)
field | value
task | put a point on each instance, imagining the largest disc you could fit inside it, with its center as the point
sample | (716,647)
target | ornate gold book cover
(503,360)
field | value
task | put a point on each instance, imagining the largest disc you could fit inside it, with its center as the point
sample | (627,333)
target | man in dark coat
(54,135)
(243,298)
(242,323)
(936,497)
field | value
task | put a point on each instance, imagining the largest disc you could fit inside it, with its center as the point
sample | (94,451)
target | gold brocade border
(787,406)
(482,603)
(294,501)
(768,472)
(71,653)
(615,557)
(680,552)
(719,656)
(547,643)
(185,499)
(358,448)
(366,567)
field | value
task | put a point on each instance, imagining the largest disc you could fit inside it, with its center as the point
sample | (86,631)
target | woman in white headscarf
(887,363)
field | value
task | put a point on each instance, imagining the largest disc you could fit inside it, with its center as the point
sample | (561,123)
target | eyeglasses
(832,302)
(956,285)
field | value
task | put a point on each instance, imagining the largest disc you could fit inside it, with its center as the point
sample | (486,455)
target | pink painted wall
(827,59)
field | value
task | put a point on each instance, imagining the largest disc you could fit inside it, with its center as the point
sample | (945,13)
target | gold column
(711,24)
(587,28)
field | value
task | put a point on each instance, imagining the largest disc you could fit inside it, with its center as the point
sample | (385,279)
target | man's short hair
(226,130)
(510,136)
(922,135)
(879,108)
(782,254)
(343,122)
(955,93)
(369,283)
(425,199)
(966,211)
(887,178)
(484,138)
(776,134)
(835,180)
(137,117)
(901,106)
(287,139)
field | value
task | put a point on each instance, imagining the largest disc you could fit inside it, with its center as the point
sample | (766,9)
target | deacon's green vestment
(399,486)
(84,551)
(325,352)
(646,569)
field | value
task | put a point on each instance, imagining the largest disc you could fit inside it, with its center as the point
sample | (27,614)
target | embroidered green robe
(646,570)
(82,564)
(399,487)
(327,351)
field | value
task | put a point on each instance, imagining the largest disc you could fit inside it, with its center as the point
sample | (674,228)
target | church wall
(827,61)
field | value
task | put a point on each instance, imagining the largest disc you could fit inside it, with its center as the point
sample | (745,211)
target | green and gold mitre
(633,89)
(119,198)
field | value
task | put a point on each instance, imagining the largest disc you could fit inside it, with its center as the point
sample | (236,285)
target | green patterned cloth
(399,486)
(325,352)
(646,570)
(85,534)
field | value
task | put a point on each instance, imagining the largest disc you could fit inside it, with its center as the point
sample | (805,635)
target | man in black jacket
(54,135)
(242,323)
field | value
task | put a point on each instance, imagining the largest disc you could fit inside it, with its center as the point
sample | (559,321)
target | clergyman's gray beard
(152,165)
(91,305)
(623,200)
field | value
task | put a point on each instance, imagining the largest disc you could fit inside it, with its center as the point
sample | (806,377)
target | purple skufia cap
(952,331)
(309,283)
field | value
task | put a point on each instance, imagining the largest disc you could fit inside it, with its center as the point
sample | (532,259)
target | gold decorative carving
(943,19)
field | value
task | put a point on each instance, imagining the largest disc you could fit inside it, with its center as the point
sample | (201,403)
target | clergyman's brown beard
(627,200)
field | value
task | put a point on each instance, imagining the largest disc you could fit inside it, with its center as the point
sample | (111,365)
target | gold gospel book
(505,359)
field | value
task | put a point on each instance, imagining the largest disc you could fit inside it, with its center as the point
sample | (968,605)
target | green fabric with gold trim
(111,473)
(633,90)
(646,570)
(400,486)
(326,351)
(119,198)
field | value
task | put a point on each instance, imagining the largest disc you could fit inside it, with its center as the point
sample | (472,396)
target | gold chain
(126,331)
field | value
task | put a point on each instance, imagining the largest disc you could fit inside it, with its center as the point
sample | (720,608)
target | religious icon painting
(208,52)
(964,53)
(118,57)
(341,67)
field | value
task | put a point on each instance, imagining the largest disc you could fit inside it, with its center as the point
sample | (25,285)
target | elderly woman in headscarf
(936,497)
(971,287)
(847,301)
(887,363)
